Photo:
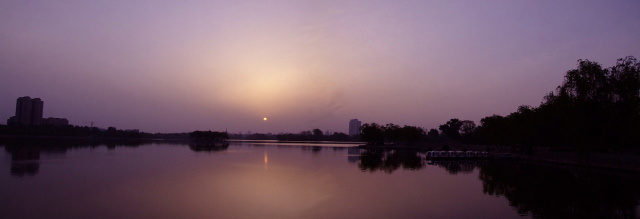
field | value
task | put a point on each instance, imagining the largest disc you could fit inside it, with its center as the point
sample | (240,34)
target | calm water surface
(272,180)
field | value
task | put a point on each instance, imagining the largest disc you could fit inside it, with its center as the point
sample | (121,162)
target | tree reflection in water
(25,152)
(390,160)
(454,167)
(535,189)
(546,191)
(209,146)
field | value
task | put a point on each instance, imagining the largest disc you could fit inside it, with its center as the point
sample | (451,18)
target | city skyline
(201,65)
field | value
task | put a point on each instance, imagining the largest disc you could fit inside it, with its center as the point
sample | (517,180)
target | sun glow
(263,90)
(261,75)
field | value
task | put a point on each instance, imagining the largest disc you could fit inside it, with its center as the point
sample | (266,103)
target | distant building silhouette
(354,127)
(132,130)
(28,111)
(55,121)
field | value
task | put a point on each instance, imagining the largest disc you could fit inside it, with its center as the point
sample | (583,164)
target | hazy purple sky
(174,66)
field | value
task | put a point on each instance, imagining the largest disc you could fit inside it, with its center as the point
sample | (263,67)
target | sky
(179,66)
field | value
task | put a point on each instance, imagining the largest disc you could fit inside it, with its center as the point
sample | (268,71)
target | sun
(265,119)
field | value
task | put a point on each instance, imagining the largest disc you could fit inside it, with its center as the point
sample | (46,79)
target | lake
(294,180)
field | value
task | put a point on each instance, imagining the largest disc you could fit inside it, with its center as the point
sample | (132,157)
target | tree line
(594,109)
(73,131)
(454,129)
(69,131)
(315,135)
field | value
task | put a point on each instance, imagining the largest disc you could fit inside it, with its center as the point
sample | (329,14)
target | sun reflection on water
(266,160)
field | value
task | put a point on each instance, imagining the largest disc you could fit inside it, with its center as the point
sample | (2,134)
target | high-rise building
(28,111)
(36,111)
(23,110)
(354,127)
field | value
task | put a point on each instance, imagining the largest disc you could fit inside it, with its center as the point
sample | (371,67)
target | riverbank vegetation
(595,109)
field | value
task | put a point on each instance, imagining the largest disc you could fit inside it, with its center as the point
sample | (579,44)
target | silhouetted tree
(468,127)
(317,134)
(392,133)
(492,130)
(412,134)
(452,129)
(468,131)
(626,84)
(372,134)
(433,135)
